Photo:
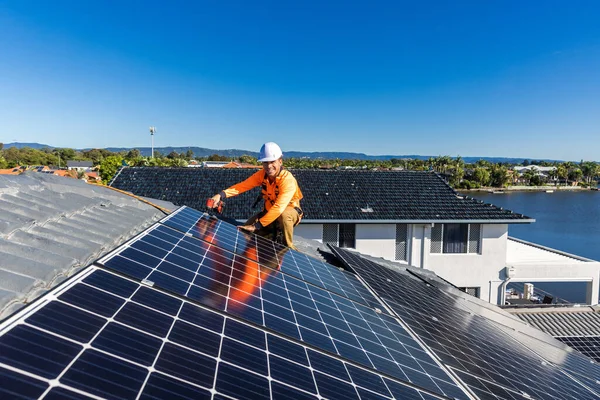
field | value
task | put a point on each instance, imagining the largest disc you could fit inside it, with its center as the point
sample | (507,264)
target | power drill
(211,205)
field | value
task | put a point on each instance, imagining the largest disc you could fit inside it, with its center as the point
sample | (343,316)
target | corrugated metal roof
(51,226)
(567,322)
(522,252)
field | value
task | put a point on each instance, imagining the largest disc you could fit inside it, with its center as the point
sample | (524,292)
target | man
(279,190)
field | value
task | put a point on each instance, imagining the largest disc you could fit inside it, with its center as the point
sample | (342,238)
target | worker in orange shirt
(280,192)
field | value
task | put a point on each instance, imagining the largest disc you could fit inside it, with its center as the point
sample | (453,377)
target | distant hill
(37,146)
(234,153)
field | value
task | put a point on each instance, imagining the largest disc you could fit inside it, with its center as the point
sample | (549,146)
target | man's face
(272,168)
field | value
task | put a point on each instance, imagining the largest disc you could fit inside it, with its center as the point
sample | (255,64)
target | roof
(11,171)
(521,252)
(127,328)
(235,164)
(80,164)
(536,167)
(50,227)
(572,321)
(329,195)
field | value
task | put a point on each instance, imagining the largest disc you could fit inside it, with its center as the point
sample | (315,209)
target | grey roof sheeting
(581,321)
(51,226)
(330,196)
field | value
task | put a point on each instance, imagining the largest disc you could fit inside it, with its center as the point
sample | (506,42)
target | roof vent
(367,209)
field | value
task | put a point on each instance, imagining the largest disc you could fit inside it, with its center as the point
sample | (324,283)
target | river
(567,221)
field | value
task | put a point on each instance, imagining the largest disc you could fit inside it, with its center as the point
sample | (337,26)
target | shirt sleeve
(287,188)
(253,181)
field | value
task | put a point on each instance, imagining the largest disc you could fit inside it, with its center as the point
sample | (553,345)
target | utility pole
(152,130)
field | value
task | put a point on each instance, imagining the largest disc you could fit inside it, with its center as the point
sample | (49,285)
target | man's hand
(247,228)
(216,198)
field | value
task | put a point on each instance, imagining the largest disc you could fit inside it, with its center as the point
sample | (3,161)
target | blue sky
(469,78)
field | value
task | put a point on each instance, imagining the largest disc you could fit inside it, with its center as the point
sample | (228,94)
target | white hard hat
(269,152)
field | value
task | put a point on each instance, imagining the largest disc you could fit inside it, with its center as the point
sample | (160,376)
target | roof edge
(419,221)
(562,253)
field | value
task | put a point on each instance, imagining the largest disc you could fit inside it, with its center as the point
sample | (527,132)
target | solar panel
(489,359)
(228,282)
(103,335)
(266,252)
(586,345)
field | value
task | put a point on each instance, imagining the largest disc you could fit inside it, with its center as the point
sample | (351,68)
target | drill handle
(218,205)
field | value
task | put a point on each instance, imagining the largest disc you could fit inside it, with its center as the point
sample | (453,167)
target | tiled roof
(568,322)
(51,226)
(355,195)
(80,164)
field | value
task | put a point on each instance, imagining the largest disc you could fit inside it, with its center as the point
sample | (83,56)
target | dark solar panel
(492,361)
(138,342)
(269,253)
(265,296)
(586,345)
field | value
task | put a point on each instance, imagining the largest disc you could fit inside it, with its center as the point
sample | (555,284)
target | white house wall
(377,240)
(485,271)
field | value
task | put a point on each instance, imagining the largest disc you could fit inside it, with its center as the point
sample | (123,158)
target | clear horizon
(475,79)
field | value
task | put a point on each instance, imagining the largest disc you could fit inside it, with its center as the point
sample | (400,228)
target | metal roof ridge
(550,249)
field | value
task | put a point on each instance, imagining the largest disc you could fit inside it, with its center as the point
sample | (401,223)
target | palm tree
(563,172)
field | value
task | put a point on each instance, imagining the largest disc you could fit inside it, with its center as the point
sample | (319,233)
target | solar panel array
(493,361)
(587,345)
(192,308)
(106,336)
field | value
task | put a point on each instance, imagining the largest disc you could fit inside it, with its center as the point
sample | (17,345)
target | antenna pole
(152,130)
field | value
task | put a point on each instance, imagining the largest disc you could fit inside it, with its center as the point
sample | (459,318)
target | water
(567,221)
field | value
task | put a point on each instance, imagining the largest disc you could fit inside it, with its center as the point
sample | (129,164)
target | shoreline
(549,189)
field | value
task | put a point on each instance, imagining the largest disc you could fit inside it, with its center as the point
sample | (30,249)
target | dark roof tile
(328,194)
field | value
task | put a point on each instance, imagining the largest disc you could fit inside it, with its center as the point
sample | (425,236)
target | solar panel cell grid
(467,342)
(285,304)
(268,253)
(586,345)
(201,353)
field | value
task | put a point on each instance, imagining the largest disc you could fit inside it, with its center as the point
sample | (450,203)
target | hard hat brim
(268,159)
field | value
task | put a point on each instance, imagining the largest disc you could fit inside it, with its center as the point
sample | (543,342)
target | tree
(189,154)
(498,176)
(575,175)
(97,155)
(216,157)
(563,172)
(588,169)
(66,154)
(249,159)
(109,167)
(481,176)
(173,155)
(133,154)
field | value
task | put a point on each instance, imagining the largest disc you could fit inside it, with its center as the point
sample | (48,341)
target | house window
(401,242)
(456,238)
(347,236)
(473,291)
(341,235)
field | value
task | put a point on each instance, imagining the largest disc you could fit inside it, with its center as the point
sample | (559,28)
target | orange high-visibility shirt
(283,192)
